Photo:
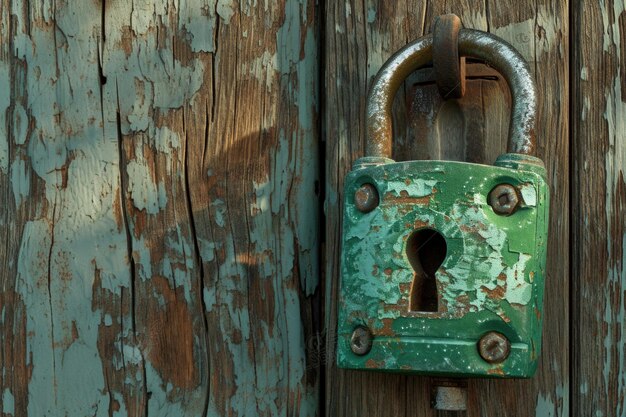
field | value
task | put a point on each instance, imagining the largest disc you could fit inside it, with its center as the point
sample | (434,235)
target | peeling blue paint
(545,406)
(79,238)
(20,180)
(5,102)
(199,21)
(146,195)
(220,211)
(8,402)
(226,9)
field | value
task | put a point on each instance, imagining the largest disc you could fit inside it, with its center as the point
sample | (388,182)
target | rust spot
(463,300)
(372,364)
(496,294)
(419,224)
(170,335)
(405,199)
(388,271)
(386,330)
(405,287)
(504,317)
(495,371)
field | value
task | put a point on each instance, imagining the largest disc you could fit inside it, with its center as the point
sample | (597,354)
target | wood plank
(358,40)
(159,166)
(599,204)
(258,229)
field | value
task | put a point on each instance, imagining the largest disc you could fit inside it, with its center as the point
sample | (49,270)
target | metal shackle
(491,49)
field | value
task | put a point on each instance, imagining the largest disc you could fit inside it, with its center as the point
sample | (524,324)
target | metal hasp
(442,262)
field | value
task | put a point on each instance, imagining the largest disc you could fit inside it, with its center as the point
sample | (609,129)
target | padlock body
(490,277)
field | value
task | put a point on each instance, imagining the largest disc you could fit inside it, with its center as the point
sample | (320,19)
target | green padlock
(443,263)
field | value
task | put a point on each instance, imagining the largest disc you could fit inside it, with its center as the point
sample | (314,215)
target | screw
(361,341)
(366,198)
(504,199)
(494,347)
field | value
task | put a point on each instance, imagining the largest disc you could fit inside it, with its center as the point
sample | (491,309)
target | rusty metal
(494,347)
(449,394)
(448,66)
(366,198)
(473,43)
(361,341)
(504,199)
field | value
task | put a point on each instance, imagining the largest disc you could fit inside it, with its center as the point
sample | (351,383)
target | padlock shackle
(472,43)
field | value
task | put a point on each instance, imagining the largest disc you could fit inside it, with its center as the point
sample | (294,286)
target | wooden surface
(599,209)
(161,173)
(359,38)
(159,179)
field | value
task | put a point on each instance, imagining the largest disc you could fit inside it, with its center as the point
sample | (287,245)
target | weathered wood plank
(159,166)
(258,236)
(358,39)
(599,207)
(541,34)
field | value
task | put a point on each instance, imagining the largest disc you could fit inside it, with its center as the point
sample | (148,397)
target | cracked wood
(158,164)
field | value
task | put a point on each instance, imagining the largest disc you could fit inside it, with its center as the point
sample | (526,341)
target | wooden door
(172,173)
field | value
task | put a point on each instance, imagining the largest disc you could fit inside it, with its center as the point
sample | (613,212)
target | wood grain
(359,37)
(599,207)
(159,173)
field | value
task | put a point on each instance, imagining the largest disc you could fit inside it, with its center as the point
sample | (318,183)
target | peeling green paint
(490,280)
(529,194)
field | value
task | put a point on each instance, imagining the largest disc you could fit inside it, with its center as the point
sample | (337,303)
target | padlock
(442,262)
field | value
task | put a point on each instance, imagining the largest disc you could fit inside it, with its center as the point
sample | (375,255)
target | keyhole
(426,250)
